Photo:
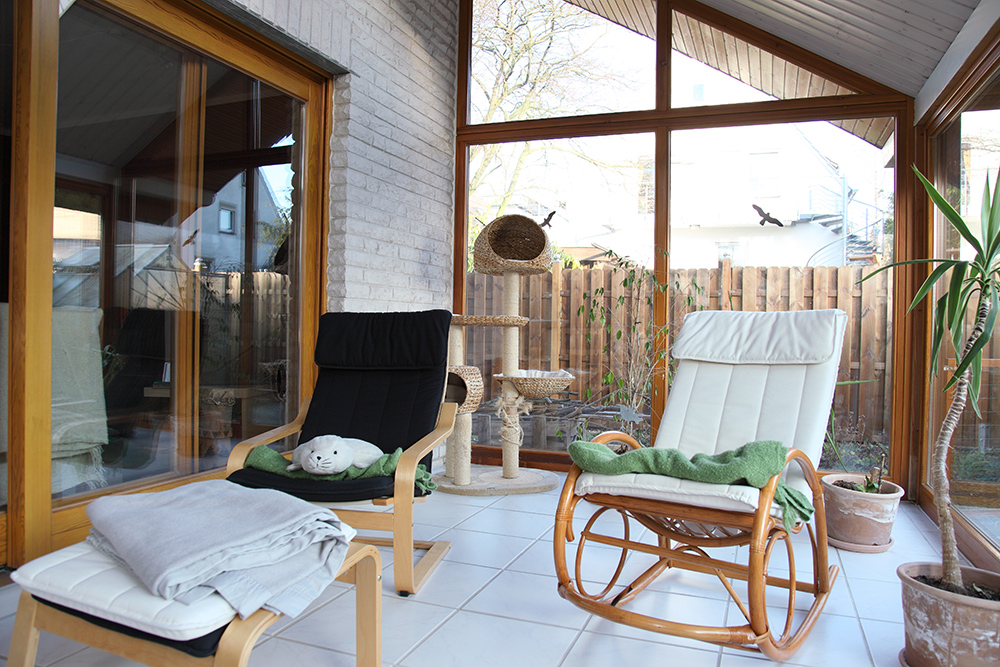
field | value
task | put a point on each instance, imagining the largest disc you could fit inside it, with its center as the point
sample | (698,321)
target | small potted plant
(952,613)
(860,509)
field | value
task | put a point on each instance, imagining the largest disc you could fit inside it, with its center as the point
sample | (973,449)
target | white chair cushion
(741,377)
(730,497)
(82,578)
(787,337)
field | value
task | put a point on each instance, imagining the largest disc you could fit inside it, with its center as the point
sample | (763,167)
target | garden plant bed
(859,455)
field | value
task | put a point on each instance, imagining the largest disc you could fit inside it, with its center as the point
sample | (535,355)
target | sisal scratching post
(510,430)
(458,450)
(455,358)
(461,440)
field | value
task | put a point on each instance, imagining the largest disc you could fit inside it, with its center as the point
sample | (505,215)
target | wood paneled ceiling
(896,43)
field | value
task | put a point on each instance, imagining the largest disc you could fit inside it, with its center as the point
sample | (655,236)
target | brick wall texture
(393,147)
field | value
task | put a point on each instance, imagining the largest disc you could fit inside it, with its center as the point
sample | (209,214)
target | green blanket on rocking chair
(752,464)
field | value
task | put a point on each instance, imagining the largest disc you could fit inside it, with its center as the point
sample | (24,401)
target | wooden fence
(559,337)
(238,346)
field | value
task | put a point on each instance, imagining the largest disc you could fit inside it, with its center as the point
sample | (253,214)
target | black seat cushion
(381,377)
(199,647)
(319,490)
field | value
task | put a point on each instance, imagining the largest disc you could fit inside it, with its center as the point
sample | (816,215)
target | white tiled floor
(493,602)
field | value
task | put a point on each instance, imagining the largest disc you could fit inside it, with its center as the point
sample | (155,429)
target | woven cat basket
(512,243)
(465,387)
(538,387)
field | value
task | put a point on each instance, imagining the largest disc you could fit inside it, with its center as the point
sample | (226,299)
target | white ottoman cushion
(84,579)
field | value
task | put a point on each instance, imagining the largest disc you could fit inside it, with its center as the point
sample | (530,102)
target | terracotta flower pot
(859,521)
(947,629)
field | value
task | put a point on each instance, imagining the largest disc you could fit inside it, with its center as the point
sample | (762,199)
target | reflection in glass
(967,152)
(171,303)
(244,275)
(596,192)
(791,217)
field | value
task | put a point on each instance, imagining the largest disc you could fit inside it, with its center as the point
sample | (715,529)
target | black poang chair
(381,379)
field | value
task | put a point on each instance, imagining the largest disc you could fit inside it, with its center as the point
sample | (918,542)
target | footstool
(80,593)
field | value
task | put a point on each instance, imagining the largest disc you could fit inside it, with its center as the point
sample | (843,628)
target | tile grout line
(461,606)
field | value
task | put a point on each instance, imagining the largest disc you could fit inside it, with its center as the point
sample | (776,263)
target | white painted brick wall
(393,147)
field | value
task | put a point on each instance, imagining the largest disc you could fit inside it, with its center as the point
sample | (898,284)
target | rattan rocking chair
(741,377)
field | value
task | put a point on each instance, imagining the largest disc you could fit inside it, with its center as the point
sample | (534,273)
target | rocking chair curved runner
(741,377)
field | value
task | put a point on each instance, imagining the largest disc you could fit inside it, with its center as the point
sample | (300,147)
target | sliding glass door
(174,232)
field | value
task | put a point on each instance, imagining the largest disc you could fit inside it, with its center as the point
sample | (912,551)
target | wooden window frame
(871,99)
(33,526)
(982,64)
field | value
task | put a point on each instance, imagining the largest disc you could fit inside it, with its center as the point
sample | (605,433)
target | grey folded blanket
(753,464)
(255,547)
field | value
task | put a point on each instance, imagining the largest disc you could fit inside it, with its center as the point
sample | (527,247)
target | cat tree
(510,246)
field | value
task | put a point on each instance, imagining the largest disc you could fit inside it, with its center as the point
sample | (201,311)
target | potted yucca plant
(949,616)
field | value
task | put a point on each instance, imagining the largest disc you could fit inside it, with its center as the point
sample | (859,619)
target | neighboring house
(780,170)
(151,257)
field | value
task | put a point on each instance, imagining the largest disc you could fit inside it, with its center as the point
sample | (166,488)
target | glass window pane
(709,66)
(549,58)
(117,279)
(968,152)
(172,305)
(246,287)
(791,217)
(600,226)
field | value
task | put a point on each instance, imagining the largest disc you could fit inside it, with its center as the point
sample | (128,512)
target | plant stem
(833,443)
(951,574)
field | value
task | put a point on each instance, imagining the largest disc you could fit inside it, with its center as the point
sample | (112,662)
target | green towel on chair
(752,464)
(268,460)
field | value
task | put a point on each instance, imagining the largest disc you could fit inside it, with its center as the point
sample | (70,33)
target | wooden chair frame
(683,532)
(407,576)
(362,567)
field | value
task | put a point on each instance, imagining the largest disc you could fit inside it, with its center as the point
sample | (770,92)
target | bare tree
(531,59)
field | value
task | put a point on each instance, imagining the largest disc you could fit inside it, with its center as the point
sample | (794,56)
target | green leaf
(984,216)
(995,210)
(949,212)
(938,331)
(955,289)
(993,239)
(893,265)
(935,275)
(974,384)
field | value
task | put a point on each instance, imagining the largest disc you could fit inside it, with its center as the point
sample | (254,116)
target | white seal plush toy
(330,454)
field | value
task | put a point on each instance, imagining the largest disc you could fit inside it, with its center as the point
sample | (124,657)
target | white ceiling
(897,43)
